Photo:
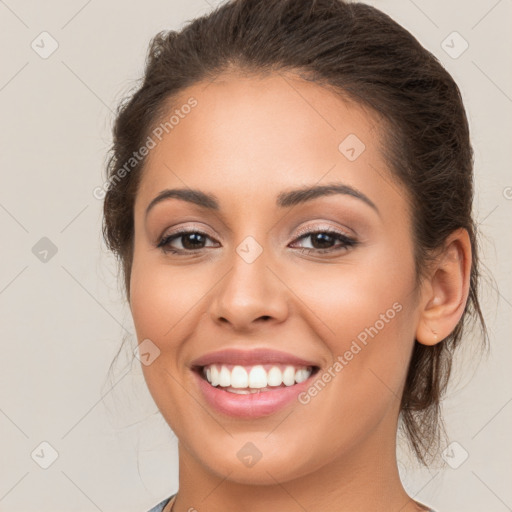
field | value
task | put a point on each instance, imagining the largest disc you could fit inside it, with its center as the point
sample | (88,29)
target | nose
(249,294)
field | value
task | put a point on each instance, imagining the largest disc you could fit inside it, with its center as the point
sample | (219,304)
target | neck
(365,478)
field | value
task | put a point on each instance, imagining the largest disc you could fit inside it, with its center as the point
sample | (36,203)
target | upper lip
(250,357)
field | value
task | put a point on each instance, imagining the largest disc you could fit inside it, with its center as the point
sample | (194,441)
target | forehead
(259,135)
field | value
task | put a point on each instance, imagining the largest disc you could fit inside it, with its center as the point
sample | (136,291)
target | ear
(445,291)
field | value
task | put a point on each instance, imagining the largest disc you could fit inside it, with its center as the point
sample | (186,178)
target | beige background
(62,319)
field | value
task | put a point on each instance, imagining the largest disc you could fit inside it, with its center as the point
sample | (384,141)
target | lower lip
(252,405)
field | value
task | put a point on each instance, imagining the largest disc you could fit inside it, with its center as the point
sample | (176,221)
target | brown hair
(362,54)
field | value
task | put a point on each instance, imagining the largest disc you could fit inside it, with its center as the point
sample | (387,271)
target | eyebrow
(284,199)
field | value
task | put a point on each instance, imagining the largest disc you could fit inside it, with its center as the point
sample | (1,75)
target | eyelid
(324,227)
(345,240)
(186,227)
(307,229)
(301,231)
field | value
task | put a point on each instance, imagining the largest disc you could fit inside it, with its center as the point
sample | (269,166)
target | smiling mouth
(257,378)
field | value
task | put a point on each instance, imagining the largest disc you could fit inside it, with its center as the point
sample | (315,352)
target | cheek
(163,296)
(348,298)
(165,302)
(365,312)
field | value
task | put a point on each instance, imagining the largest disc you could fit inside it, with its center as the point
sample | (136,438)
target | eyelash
(346,242)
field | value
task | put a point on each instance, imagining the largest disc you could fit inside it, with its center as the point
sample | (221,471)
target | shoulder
(424,507)
(160,506)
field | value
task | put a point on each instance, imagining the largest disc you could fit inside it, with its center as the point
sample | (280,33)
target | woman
(290,195)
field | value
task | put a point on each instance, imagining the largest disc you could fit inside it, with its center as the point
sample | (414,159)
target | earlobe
(446,292)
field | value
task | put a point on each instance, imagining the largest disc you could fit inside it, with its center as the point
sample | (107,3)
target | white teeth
(214,376)
(301,375)
(224,377)
(289,376)
(257,377)
(274,376)
(240,391)
(241,379)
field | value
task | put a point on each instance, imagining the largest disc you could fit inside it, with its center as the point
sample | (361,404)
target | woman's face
(266,274)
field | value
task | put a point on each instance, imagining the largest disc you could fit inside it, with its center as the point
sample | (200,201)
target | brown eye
(322,240)
(325,240)
(191,241)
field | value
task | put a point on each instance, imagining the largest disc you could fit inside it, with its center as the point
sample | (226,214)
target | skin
(247,140)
